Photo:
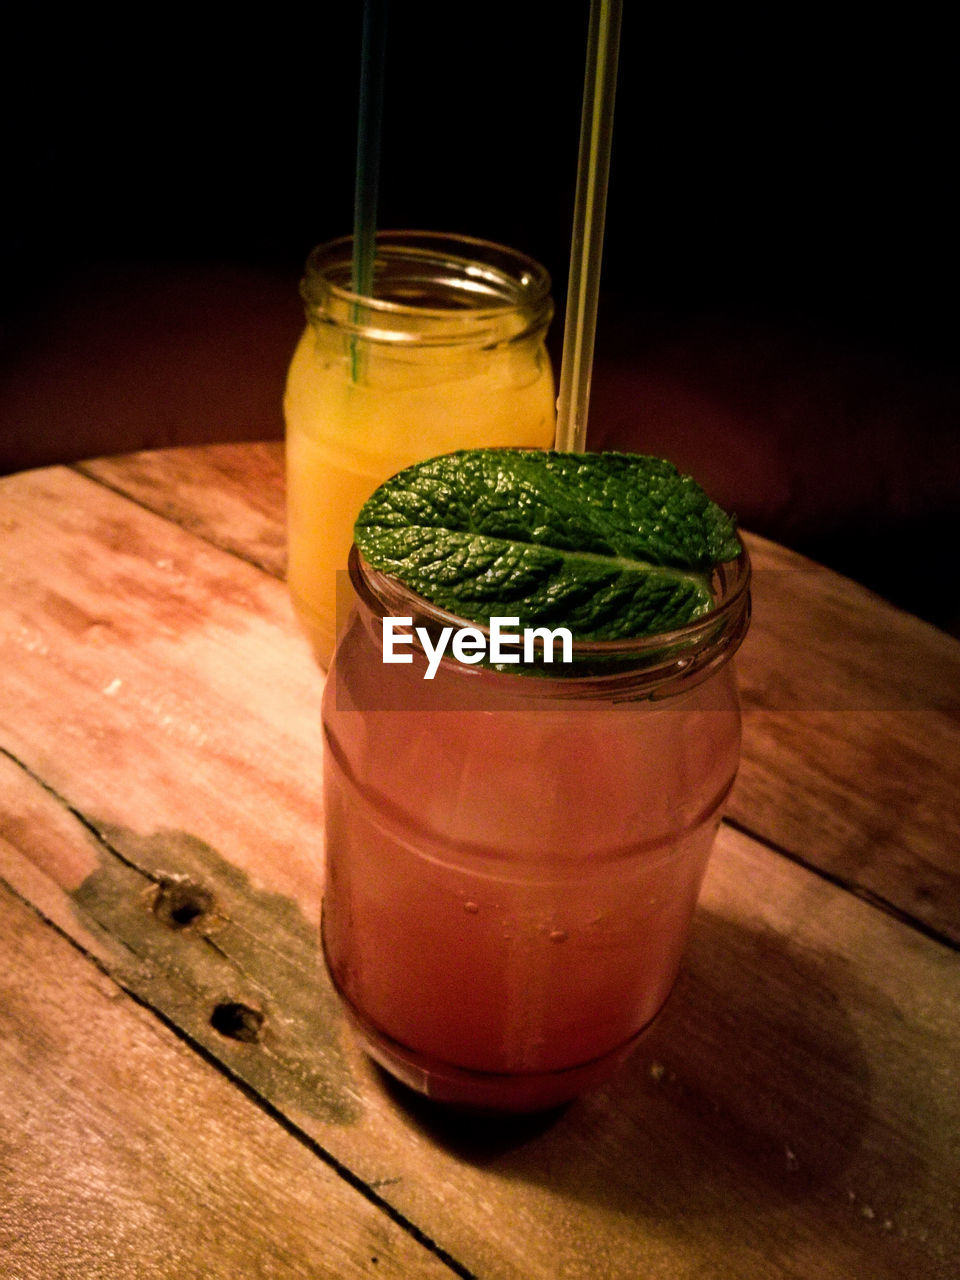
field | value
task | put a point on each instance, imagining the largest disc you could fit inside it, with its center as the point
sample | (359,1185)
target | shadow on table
(751,1086)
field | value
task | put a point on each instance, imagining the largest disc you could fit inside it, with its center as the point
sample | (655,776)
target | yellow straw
(593,173)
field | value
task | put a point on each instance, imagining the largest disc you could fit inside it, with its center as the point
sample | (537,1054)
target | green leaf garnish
(611,545)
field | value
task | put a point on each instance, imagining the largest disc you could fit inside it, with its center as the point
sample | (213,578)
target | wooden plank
(795,1112)
(851,756)
(123,1154)
(231,494)
(128,647)
(820,642)
(851,751)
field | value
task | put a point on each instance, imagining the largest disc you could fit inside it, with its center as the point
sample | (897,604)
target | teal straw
(370,117)
(593,172)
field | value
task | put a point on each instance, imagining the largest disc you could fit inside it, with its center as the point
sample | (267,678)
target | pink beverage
(513,860)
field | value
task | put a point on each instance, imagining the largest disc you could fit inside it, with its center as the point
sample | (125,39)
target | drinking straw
(590,206)
(372,49)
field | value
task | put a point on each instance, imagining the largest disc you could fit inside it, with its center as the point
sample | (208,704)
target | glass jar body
(512,865)
(448,354)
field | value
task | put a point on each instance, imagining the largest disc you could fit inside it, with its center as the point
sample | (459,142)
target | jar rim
(469,269)
(650,665)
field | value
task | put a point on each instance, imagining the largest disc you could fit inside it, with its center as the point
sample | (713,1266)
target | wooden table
(179,1095)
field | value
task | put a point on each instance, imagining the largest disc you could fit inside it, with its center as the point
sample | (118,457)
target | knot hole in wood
(180,902)
(237,1021)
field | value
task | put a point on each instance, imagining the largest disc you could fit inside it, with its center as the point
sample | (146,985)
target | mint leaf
(611,545)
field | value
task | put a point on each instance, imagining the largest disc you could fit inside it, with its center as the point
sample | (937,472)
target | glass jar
(514,854)
(447,354)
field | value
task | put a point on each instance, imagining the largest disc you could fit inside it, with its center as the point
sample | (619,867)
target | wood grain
(129,646)
(230,494)
(851,755)
(851,750)
(124,1155)
(795,1113)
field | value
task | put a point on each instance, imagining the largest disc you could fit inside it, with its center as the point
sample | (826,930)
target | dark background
(780,284)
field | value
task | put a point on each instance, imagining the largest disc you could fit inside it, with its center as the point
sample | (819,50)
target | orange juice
(448,354)
(513,861)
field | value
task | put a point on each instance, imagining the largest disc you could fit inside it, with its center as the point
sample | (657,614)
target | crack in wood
(865,895)
(202,536)
(216,962)
(262,1101)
